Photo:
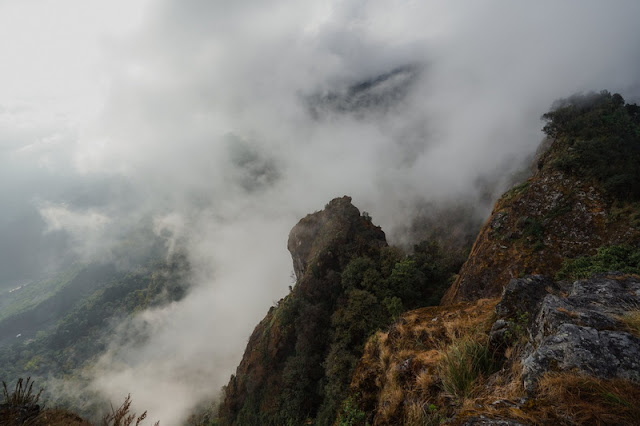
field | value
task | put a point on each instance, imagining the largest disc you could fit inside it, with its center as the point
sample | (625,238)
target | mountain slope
(508,348)
(583,196)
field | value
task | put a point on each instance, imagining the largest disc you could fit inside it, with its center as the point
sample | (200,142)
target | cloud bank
(226,122)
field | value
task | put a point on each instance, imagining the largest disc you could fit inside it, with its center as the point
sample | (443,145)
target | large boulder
(584,332)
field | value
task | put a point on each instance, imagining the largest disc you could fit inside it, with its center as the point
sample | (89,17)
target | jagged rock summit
(324,235)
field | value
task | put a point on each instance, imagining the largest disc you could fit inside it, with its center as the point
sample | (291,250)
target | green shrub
(597,137)
(621,258)
(350,414)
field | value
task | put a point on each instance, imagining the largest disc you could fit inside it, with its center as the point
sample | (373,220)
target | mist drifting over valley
(216,125)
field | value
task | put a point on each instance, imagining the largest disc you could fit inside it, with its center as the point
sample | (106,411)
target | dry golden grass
(579,399)
(403,363)
(498,397)
(391,400)
(422,414)
(565,311)
(424,381)
(632,321)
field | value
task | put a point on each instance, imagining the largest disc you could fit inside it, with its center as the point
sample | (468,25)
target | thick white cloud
(201,110)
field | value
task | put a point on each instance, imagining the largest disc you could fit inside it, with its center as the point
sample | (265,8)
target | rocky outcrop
(280,374)
(575,327)
(584,195)
(584,332)
(327,235)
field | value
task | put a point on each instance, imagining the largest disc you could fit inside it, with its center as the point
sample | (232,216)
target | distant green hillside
(59,344)
(30,294)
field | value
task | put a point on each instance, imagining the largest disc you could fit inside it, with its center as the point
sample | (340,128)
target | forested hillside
(64,333)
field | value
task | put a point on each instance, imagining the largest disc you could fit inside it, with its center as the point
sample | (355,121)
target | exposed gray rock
(521,299)
(582,332)
(523,295)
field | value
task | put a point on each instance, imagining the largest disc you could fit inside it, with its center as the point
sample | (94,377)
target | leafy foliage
(322,330)
(621,258)
(376,291)
(350,414)
(597,137)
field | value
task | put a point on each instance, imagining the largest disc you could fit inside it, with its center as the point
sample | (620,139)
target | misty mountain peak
(326,230)
(378,93)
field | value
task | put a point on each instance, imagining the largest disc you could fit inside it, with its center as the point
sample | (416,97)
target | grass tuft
(632,321)
(122,416)
(464,362)
(22,394)
(589,400)
(422,414)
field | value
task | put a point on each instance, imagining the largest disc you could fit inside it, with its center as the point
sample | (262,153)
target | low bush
(621,258)
(597,138)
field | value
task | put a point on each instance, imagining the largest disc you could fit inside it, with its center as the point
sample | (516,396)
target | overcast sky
(225,122)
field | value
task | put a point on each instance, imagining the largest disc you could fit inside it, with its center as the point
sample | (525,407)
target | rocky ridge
(282,364)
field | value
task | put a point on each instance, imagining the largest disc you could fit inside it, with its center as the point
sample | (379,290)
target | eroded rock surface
(575,327)
(583,332)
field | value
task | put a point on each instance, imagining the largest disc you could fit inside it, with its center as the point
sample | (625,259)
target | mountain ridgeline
(61,336)
(355,342)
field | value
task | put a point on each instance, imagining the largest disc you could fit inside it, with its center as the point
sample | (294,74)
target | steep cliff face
(279,379)
(583,196)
